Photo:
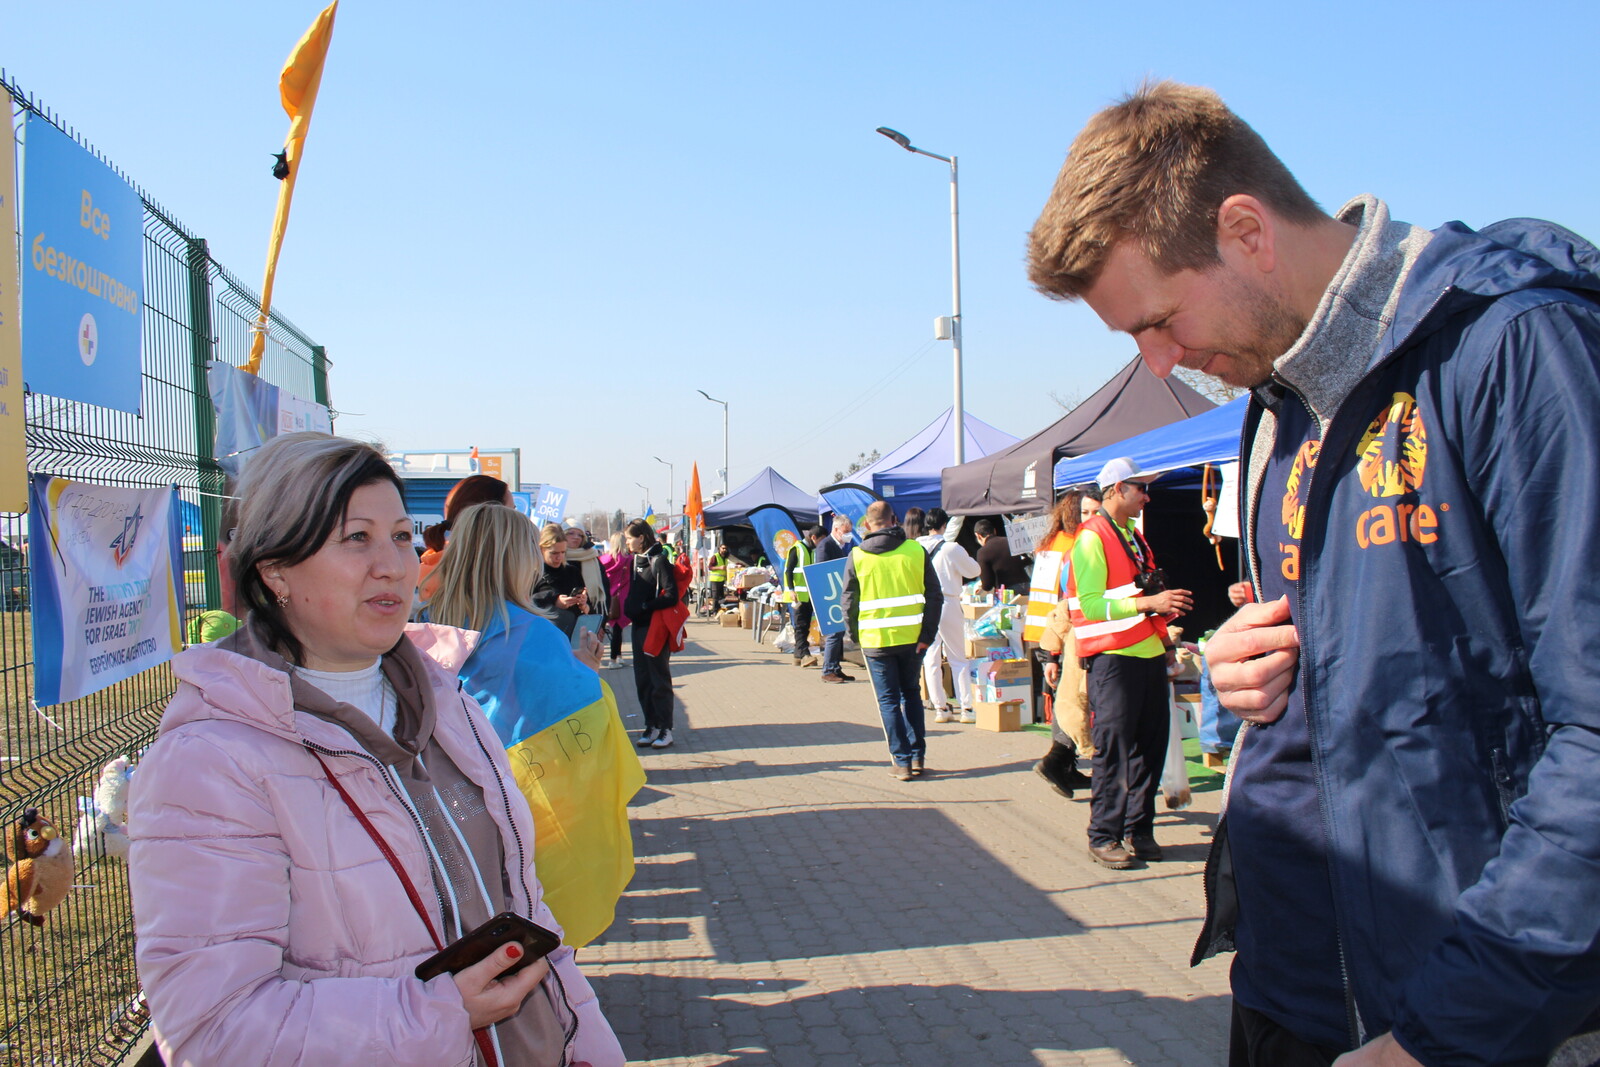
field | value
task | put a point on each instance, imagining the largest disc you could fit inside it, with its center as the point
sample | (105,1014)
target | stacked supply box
(1001,680)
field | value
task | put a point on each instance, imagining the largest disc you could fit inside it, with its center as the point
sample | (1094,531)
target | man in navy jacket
(1409,860)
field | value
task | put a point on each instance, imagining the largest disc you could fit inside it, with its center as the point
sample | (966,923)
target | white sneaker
(613,665)
(942,715)
(647,738)
(968,717)
(663,741)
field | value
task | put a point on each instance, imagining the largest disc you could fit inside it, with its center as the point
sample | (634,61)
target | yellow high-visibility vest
(803,547)
(892,594)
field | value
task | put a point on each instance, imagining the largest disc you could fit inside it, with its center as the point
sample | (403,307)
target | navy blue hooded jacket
(1449,619)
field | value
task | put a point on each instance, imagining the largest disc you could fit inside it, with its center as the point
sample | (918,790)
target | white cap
(1121,469)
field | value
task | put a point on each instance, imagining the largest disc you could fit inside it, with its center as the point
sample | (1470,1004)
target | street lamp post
(670,476)
(955,284)
(646,489)
(724,404)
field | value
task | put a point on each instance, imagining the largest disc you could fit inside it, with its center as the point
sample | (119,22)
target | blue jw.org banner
(550,505)
(825,583)
(851,501)
(106,584)
(82,273)
(777,529)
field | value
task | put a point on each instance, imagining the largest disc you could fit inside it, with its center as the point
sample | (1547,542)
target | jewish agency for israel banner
(83,273)
(778,530)
(825,583)
(106,586)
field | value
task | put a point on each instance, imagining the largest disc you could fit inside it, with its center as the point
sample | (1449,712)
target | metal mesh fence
(68,991)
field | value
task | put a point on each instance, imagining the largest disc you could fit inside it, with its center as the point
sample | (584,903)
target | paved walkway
(794,904)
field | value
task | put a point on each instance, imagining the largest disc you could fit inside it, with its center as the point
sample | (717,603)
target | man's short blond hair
(879,516)
(1154,167)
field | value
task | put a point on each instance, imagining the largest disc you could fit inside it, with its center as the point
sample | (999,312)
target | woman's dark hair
(640,528)
(913,522)
(938,519)
(294,491)
(475,489)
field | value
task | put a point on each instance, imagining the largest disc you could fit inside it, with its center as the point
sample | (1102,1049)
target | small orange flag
(297,87)
(693,508)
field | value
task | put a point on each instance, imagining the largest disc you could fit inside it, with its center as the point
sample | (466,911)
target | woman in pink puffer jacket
(271,928)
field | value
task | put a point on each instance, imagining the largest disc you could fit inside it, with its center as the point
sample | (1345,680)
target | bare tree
(1066,400)
(1218,392)
(862,460)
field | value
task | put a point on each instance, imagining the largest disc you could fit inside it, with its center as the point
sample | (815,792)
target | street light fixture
(955,285)
(724,404)
(670,484)
(646,489)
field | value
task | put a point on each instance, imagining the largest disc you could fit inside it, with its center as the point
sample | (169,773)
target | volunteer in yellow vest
(1119,611)
(719,575)
(801,554)
(892,599)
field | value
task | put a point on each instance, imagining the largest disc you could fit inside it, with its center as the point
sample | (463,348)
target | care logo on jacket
(1391,460)
(1294,508)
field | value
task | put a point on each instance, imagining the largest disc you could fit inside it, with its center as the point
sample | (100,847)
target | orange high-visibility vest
(1103,636)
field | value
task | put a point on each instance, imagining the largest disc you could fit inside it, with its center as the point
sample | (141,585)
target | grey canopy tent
(1018,479)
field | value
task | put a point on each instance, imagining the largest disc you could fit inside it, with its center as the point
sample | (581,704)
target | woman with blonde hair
(555,718)
(1069,725)
(618,564)
(559,594)
(323,810)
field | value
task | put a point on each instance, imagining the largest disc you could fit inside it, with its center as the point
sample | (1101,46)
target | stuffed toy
(41,869)
(105,818)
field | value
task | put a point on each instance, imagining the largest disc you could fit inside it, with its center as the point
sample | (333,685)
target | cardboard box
(752,577)
(1001,718)
(1007,671)
(978,647)
(747,614)
(730,619)
(974,611)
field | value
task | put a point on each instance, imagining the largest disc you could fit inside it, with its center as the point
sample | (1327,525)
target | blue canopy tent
(1210,437)
(909,475)
(767,487)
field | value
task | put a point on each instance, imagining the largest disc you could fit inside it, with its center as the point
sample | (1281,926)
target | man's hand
(1383,1051)
(1166,602)
(922,646)
(1241,593)
(1253,659)
(1052,674)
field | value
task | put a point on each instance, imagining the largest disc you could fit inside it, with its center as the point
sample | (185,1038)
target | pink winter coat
(619,577)
(270,930)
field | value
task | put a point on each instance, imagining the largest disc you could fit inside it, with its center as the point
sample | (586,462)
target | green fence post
(319,374)
(205,418)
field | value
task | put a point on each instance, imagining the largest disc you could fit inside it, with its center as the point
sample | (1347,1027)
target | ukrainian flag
(572,759)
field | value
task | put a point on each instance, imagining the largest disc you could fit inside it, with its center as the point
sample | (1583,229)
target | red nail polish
(515,951)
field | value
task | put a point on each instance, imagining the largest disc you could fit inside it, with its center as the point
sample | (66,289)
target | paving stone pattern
(796,905)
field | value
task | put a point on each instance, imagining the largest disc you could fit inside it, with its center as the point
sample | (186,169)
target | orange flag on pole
(693,508)
(297,86)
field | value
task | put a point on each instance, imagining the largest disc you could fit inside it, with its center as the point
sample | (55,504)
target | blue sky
(546,225)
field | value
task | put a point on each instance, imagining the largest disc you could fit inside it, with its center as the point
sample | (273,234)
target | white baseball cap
(1121,469)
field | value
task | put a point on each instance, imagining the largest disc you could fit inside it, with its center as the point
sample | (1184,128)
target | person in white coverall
(954,565)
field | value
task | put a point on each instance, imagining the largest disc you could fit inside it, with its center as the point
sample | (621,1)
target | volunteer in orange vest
(1119,607)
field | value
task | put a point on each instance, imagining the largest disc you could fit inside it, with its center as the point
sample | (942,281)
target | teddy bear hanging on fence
(41,869)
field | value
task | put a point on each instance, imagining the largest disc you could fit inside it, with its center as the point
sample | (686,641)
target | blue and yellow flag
(572,759)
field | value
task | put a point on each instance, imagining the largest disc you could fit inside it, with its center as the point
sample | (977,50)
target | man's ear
(1247,232)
